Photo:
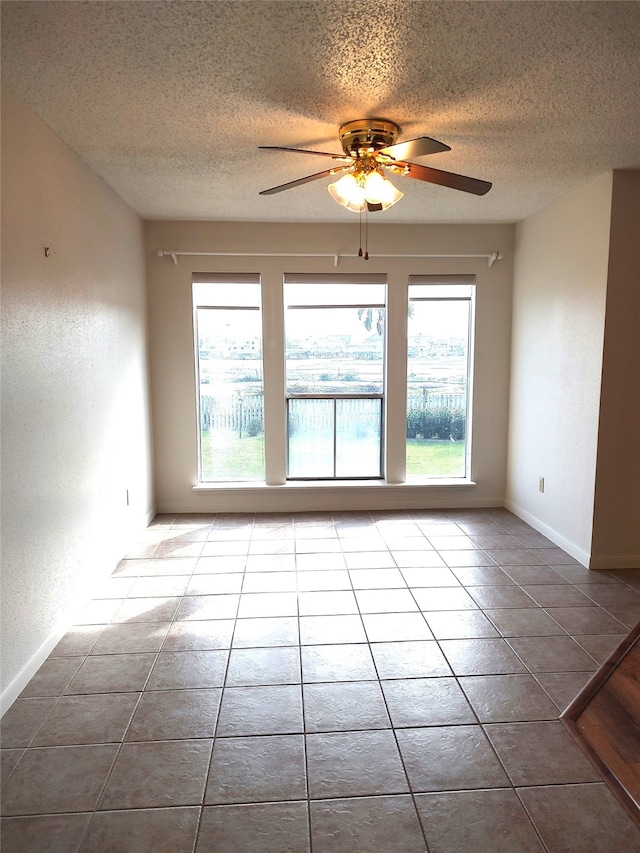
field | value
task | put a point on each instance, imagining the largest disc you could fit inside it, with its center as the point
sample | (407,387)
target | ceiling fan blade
(326,174)
(306,151)
(445,179)
(414,148)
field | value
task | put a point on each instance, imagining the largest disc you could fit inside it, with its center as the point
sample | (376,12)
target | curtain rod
(161,253)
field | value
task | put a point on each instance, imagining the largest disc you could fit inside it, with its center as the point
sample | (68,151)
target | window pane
(437,382)
(231,393)
(335,350)
(358,438)
(310,427)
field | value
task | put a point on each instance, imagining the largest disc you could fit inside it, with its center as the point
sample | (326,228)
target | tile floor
(385,682)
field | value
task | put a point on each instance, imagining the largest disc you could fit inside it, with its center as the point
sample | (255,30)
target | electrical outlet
(541,484)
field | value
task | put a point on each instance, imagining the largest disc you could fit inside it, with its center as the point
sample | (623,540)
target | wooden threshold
(604,719)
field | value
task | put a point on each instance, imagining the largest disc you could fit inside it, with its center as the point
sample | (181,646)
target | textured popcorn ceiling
(168,101)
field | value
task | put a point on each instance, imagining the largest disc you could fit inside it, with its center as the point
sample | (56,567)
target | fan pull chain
(366,235)
(360,235)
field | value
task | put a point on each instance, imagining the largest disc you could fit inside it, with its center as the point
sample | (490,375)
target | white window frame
(395,381)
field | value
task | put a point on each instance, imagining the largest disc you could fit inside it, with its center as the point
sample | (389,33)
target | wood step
(604,719)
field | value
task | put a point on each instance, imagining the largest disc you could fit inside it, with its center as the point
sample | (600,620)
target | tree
(366,316)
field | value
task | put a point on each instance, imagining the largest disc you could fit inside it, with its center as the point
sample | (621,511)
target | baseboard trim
(24,676)
(20,681)
(581,556)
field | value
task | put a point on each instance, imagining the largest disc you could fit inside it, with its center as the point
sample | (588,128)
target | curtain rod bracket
(495,256)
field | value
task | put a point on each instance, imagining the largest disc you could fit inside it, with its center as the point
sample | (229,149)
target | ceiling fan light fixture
(379,190)
(355,190)
(349,192)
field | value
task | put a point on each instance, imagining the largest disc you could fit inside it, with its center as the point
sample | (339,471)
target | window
(438,347)
(228,333)
(334,349)
(320,410)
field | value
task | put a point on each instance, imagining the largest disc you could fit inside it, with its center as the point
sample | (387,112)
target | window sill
(352,485)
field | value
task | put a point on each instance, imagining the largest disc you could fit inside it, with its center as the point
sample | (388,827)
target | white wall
(616,522)
(560,284)
(172,356)
(75,415)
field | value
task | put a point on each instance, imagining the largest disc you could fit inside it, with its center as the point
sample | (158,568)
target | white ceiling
(168,102)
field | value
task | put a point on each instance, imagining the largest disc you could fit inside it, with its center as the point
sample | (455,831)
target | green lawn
(225,456)
(431,458)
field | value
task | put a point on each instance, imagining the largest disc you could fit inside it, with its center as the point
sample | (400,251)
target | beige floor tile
(58,780)
(481,657)
(249,667)
(450,758)
(389,627)
(580,819)
(264,827)
(261,711)
(344,706)
(257,604)
(199,635)
(444,598)
(341,764)
(266,631)
(459,624)
(23,719)
(112,674)
(327,603)
(131,639)
(409,659)
(159,774)
(177,670)
(426,702)
(549,654)
(100,718)
(524,622)
(9,759)
(257,770)
(220,583)
(386,601)
(563,687)
(540,753)
(477,821)
(59,833)
(175,715)
(53,677)
(586,620)
(506,698)
(387,823)
(348,662)
(320,630)
(78,641)
(143,831)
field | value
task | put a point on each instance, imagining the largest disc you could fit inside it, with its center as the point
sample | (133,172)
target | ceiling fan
(370,150)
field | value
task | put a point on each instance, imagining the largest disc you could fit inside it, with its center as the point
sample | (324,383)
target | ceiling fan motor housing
(363,137)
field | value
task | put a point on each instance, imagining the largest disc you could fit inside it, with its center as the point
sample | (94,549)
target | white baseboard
(581,556)
(20,681)
(24,676)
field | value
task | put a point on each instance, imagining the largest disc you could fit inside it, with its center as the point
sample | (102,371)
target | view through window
(228,330)
(332,393)
(438,338)
(334,347)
